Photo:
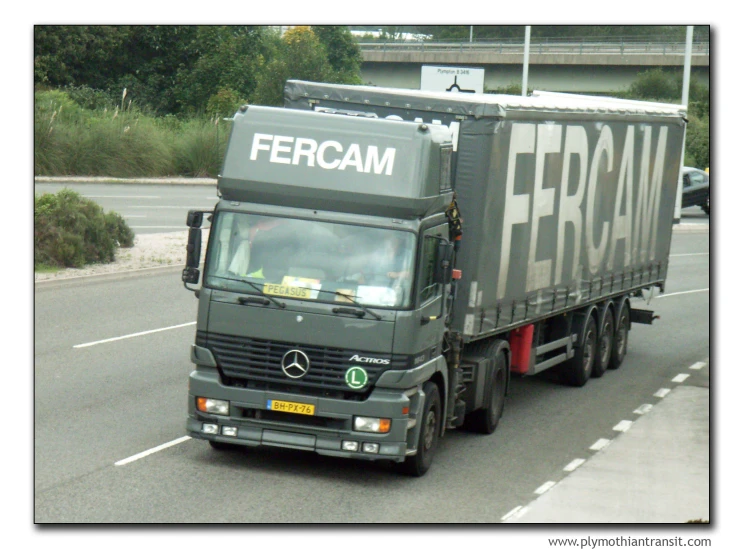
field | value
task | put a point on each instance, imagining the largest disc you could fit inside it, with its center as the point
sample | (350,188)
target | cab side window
(428,287)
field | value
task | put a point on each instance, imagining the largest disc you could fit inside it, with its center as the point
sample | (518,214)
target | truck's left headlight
(213,406)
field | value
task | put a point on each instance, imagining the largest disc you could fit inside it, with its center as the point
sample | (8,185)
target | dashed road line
(151,451)
(682,293)
(511,513)
(679,378)
(661,393)
(643,409)
(545,487)
(623,426)
(575,464)
(601,443)
(81,345)
(697,366)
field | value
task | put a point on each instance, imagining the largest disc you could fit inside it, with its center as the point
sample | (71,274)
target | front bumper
(322,433)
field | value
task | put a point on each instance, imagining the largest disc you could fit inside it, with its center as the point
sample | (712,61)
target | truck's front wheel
(431,420)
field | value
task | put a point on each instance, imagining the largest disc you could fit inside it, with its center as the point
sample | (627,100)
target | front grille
(256,363)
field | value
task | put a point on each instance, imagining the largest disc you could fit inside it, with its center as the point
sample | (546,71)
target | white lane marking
(679,378)
(511,513)
(151,451)
(545,487)
(661,393)
(643,409)
(601,443)
(132,335)
(575,464)
(682,293)
(686,255)
(516,513)
(623,426)
(697,366)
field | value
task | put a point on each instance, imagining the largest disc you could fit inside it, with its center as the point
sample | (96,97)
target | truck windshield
(311,260)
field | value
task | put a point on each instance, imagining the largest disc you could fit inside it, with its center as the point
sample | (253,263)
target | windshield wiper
(353,302)
(260,290)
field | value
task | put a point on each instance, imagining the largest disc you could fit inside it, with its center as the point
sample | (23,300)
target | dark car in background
(695,189)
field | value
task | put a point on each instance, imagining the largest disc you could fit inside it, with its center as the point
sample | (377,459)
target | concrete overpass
(567,66)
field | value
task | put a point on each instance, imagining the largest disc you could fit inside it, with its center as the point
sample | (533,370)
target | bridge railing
(542,46)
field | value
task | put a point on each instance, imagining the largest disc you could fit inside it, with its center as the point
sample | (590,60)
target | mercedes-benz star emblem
(295,364)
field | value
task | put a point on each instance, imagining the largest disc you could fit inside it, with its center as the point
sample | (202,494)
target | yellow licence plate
(291,407)
(287,291)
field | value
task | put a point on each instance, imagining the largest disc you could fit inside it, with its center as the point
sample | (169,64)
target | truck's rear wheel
(605,343)
(620,345)
(577,370)
(431,420)
(487,419)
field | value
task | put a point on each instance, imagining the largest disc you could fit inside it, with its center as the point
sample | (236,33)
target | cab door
(430,294)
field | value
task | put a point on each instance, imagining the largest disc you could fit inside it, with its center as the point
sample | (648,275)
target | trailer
(424,248)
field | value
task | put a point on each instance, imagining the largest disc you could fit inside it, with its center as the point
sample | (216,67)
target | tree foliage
(665,86)
(328,55)
(187,69)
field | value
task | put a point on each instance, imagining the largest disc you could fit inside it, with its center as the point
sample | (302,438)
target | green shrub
(198,149)
(224,103)
(72,231)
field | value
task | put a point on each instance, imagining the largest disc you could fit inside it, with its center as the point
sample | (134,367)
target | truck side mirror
(190,274)
(193,248)
(445,262)
(194,219)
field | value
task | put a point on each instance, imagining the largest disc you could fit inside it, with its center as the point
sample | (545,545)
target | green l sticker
(356,377)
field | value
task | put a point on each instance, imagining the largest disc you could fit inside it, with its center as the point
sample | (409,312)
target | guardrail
(578,47)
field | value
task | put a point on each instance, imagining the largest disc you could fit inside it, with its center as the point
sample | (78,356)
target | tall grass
(122,141)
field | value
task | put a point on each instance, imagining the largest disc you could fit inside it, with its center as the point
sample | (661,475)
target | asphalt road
(151,208)
(147,208)
(97,405)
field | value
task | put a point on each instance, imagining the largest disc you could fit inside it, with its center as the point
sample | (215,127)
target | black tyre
(431,419)
(706,205)
(487,419)
(605,341)
(620,345)
(222,446)
(577,370)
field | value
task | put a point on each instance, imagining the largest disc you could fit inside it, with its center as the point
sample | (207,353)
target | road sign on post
(452,79)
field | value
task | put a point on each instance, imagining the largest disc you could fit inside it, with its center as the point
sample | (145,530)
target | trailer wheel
(486,419)
(418,464)
(577,370)
(605,343)
(620,345)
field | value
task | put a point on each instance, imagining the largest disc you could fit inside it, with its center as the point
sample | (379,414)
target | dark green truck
(381,261)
